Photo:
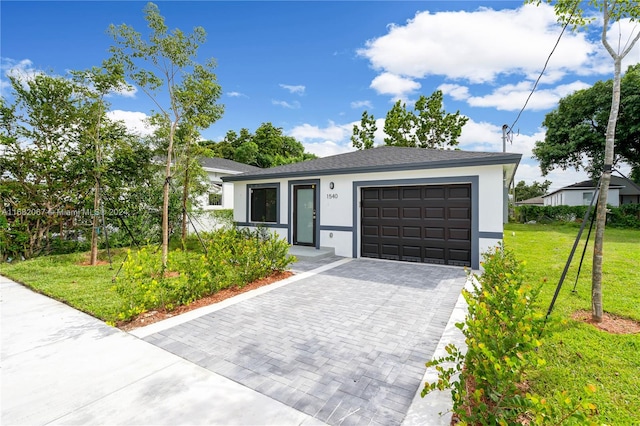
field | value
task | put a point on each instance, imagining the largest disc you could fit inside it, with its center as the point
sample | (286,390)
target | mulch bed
(610,323)
(161,314)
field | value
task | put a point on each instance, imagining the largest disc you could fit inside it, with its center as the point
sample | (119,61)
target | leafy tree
(165,69)
(536,189)
(571,13)
(267,147)
(577,128)
(97,83)
(427,126)
(363,135)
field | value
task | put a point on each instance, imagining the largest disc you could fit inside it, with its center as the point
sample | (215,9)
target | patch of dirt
(159,315)
(88,263)
(610,323)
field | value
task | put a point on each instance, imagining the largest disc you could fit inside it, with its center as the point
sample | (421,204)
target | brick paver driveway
(347,345)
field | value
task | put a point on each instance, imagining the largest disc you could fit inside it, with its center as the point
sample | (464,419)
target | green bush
(501,331)
(233,258)
(625,216)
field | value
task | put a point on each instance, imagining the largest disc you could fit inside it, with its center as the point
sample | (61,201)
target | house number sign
(332,196)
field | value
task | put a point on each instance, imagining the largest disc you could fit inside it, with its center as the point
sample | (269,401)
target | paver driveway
(347,345)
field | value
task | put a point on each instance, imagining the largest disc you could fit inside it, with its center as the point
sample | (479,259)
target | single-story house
(621,191)
(411,204)
(220,194)
(535,201)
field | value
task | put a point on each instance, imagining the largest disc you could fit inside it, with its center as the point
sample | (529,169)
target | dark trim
(291,184)
(250,186)
(475,208)
(264,224)
(465,162)
(496,235)
(336,228)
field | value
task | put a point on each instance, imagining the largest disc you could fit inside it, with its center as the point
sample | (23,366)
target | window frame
(251,188)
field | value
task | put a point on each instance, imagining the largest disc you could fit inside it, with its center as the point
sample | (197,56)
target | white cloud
(478,46)
(285,104)
(126,91)
(334,132)
(299,89)
(326,148)
(135,121)
(511,97)
(22,70)
(360,104)
(236,95)
(394,85)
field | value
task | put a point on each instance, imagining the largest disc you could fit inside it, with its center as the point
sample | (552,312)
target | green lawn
(578,354)
(87,288)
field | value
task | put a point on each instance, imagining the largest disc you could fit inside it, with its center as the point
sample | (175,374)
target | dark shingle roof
(224,164)
(381,159)
(626,186)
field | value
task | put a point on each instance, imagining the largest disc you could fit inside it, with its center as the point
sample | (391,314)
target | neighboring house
(621,191)
(535,201)
(411,204)
(220,194)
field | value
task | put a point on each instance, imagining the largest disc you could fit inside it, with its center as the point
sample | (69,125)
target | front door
(304,215)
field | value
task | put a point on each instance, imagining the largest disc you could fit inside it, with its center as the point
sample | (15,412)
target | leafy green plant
(501,331)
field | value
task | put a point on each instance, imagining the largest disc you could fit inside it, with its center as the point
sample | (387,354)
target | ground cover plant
(229,258)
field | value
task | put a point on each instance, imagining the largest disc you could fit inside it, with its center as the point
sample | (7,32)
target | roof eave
(466,162)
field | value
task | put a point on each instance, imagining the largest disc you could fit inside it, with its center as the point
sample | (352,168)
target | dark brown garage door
(417,223)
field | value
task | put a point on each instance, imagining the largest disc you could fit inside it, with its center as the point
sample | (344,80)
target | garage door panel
(411,212)
(370,231)
(434,212)
(390,212)
(412,232)
(370,212)
(463,234)
(390,231)
(430,223)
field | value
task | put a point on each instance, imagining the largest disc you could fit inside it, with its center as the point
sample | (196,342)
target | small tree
(536,189)
(571,13)
(363,136)
(165,69)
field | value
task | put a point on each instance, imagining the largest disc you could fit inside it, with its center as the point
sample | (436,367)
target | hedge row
(625,216)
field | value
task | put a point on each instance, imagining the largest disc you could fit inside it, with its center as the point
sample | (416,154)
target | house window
(586,198)
(264,202)
(215,195)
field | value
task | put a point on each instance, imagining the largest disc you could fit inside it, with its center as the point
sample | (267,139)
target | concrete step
(310,253)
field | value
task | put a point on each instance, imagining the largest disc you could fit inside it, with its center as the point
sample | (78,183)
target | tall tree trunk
(165,198)
(185,198)
(95,223)
(597,309)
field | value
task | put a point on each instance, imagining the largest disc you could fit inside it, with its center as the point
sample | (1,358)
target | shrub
(501,331)
(625,216)
(233,257)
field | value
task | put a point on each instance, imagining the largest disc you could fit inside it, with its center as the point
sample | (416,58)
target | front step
(311,253)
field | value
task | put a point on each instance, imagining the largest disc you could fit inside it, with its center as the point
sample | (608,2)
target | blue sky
(313,67)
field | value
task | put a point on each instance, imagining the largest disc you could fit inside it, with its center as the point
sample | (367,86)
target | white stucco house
(220,194)
(408,204)
(621,191)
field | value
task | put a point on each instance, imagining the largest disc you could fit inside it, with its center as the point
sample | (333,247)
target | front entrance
(304,215)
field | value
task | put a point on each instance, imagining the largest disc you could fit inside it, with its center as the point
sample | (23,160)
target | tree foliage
(576,129)
(165,68)
(536,189)
(428,125)
(267,147)
(48,165)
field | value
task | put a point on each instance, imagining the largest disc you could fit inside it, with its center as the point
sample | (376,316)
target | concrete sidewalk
(62,366)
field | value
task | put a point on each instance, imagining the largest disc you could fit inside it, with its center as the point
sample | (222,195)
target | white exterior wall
(575,197)
(336,210)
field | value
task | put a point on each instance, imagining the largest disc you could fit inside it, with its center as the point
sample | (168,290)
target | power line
(564,27)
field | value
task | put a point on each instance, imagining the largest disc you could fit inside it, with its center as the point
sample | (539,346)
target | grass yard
(63,277)
(577,353)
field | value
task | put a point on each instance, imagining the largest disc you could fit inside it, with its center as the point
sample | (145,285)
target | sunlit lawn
(577,353)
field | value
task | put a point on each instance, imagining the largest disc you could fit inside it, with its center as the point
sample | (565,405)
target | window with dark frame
(264,204)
